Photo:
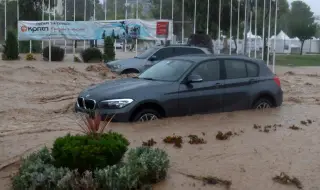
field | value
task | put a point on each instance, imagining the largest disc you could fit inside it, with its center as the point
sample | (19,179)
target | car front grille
(86,103)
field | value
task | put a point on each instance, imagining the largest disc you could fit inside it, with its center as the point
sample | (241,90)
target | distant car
(150,57)
(186,85)
(119,45)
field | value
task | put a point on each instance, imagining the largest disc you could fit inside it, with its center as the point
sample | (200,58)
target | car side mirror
(194,78)
(153,58)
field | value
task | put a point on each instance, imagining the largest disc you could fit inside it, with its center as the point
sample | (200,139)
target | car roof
(203,57)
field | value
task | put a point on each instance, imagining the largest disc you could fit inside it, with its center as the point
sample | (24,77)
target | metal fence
(185,18)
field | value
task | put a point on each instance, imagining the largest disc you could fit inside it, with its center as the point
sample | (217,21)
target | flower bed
(143,167)
(92,161)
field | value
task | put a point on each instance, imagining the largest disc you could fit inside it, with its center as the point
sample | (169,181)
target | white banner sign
(89,30)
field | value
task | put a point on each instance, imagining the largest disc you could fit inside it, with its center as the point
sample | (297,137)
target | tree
(111,9)
(109,54)
(32,10)
(201,21)
(10,51)
(301,22)
(283,9)
(225,16)
(79,11)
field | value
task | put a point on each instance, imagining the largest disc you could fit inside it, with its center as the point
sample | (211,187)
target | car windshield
(147,53)
(166,70)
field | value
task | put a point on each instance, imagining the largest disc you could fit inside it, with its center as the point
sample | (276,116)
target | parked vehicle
(186,85)
(150,57)
(119,45)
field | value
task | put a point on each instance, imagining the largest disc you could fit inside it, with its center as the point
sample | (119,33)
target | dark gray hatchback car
(186,85)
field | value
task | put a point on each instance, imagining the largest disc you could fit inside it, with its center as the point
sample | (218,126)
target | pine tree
(109,54)
(11,51)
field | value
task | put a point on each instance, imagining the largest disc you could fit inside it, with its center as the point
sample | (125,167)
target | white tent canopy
(281,36)
(250,35)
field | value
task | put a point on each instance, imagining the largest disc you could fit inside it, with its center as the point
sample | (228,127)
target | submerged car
(150,57)
(186,85)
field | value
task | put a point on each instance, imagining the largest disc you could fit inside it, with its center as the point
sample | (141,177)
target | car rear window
(235,69)
(252,69)
(187,50)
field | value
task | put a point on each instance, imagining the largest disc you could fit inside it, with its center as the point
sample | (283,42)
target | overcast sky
(314,4)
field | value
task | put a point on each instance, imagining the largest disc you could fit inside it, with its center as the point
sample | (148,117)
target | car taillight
(277,80)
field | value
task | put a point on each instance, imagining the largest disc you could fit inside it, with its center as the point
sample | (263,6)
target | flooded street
(36,107)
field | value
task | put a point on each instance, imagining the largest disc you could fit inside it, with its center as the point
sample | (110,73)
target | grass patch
(298,60)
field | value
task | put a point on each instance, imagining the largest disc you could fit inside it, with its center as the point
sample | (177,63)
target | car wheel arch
(148,104)
(264,95)
(130,70)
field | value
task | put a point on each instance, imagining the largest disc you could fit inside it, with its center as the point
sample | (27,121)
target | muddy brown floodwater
(36,107)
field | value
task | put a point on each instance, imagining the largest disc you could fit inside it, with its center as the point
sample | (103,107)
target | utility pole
(247,9)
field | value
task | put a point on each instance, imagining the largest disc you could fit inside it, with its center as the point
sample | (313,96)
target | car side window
(252,69)
(164,53)
(209,71)
(235,69)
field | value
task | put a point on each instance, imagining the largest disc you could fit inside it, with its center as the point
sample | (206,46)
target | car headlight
(115,103)
(116,66)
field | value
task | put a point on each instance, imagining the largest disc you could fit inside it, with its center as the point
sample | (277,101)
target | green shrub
(37,172)
(154,162)
(75,181)
(86,152)
(91,55)
(143,167)
(10,49)
(122,177)
(109,54)
(76,59)
(30,57)
(57,53)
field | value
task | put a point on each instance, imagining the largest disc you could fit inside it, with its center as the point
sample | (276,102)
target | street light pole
(74,19)
(255,28)
(182,35)
(126,18)
(219,29)
(105,9)
(208,9)
(85,18)
(263,26)
(230,46)
(195,16)
(65,19)
(238,27)
(245,32)
(275,34)
(269,33)
(49,32)
(160,9)
(137,17)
